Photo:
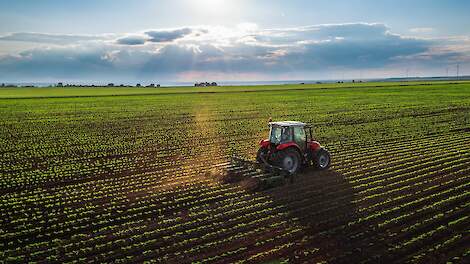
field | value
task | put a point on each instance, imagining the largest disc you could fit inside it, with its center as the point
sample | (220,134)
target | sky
(231,40)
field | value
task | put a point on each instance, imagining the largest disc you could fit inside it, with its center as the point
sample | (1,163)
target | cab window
(286,134)
(276,133)
(299,135)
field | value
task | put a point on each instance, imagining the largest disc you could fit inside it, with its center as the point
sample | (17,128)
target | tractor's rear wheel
(322,159)
(289,160)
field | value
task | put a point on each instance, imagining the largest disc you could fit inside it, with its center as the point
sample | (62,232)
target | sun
(211,4)
(211,7)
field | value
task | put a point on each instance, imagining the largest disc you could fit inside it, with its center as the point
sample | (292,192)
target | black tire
(322,159)
(289,160)
(262,152)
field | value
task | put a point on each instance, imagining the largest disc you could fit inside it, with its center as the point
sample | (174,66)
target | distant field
(90,177)
(9,92)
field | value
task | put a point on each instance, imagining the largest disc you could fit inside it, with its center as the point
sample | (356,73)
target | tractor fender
(314,146)
(315,152)
(264,143)
(274,156)
(289,145)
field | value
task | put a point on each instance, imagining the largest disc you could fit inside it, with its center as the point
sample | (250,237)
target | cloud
(50,38)
(160,36)
(422,30)
(326,32)
(131,40)
(246,50)
(354,52)
(75,63)
(168,35)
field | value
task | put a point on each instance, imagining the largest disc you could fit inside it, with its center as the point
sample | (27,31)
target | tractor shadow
(322,203)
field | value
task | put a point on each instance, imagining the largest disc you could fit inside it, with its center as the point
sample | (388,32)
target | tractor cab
(291,145)
(289,132)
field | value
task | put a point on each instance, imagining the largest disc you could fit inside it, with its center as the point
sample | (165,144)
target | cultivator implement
(253,175)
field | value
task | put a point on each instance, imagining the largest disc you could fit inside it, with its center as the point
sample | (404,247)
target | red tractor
(290,148)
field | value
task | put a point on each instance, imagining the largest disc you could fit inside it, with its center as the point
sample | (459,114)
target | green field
(133,174)
(15,92)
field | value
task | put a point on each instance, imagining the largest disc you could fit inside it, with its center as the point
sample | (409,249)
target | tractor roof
(287,123)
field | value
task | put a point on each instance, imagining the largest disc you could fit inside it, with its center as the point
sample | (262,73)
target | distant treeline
(60,84)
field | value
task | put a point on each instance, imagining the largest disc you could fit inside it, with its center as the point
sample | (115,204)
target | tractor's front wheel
(289,160)
(322,159)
